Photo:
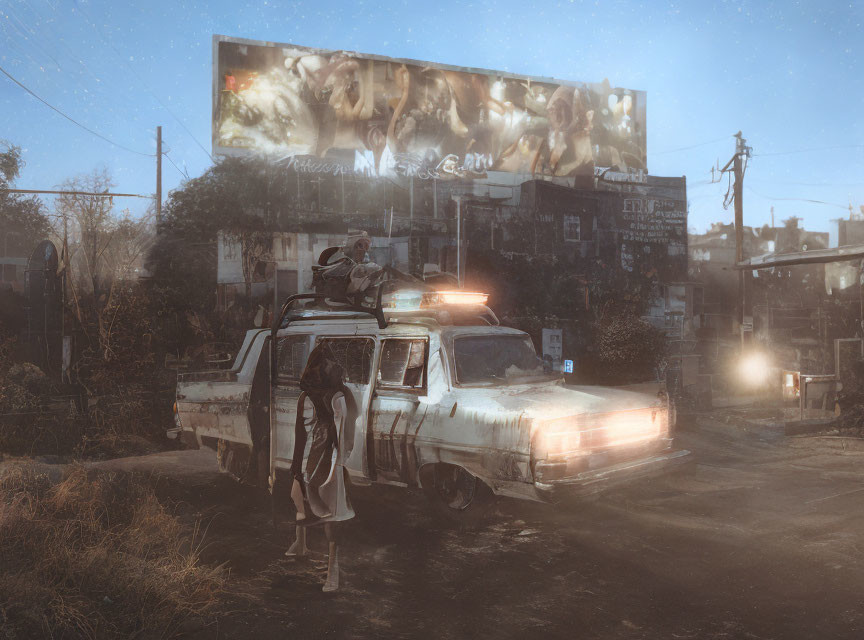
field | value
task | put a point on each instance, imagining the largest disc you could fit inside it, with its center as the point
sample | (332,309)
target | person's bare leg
(332,582)
(297,497)
(299,548)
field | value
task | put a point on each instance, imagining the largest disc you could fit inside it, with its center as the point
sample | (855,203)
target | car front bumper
(597,472)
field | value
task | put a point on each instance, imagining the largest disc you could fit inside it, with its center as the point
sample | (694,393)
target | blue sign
(568,366)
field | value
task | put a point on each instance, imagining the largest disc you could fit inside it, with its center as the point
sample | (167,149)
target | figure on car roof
(345,273)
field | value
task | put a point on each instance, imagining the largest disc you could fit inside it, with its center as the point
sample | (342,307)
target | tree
(104,250)
(241,198)
(94,225)
(23,222)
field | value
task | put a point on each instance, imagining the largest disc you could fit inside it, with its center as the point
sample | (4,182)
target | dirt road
(753,539)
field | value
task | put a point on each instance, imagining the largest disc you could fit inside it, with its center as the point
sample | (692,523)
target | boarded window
(572,227)
(403,363)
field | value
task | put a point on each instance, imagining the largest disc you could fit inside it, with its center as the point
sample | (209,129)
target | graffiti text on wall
(653,220)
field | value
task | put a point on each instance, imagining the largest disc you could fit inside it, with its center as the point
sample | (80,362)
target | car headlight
(630,427)
(557,440)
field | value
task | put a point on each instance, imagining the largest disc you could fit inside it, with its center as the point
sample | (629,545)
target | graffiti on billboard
(333,111)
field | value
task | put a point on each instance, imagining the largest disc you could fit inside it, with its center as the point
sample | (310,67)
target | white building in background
(287,270)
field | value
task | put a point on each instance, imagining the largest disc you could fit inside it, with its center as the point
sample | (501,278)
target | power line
(180,171)
(830,204)
(700,183)
(23,30)
(692,146)
(143,82)
(33,16)
(77,193)
(56,37)
(786,153)
(811,184)
(72,120)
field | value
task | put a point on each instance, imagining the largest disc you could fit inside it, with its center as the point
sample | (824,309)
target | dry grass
(95,556)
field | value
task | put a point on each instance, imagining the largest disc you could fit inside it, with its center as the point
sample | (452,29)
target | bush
(627,350)
(39,433)
(96,555)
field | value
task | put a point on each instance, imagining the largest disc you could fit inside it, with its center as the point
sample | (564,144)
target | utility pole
(158,176)
(738,188)
(737,166)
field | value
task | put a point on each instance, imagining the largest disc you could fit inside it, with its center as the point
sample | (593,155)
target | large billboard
(340,111)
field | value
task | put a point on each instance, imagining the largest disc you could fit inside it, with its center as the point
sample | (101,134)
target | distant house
(622,221)
(712,257)
(844,278)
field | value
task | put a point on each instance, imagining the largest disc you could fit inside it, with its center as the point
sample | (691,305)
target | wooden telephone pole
(738,167)
(738,189)
(158,176)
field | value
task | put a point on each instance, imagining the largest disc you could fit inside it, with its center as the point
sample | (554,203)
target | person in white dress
(320,486)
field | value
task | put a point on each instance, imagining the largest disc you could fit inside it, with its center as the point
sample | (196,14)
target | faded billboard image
(336,111)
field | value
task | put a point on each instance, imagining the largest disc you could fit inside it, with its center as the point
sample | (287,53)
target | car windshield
(497,359)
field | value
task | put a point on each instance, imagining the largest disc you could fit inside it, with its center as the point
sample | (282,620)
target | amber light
(462,297)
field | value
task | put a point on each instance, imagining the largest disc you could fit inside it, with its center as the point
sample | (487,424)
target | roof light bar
(460,297)
(412,300)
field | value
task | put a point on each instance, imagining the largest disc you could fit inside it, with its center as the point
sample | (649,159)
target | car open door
(397,409)
(355,355)
(216,403)
(292,351)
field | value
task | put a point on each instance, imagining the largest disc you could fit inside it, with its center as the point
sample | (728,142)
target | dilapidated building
(628,222)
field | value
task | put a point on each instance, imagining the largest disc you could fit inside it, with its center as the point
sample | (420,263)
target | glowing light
(558,443)
(632,427)
(754,369)
(461,297)
(582,435)
(406,300)
(413,300)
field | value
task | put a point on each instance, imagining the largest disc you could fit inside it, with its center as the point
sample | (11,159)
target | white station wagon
(447,400)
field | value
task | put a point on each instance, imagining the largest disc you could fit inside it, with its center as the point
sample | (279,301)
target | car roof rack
(332,308)
(326,307)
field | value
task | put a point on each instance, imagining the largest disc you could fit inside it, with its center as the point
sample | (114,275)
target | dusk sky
(787,74)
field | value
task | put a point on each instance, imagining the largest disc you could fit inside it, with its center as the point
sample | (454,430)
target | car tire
(233,459)
(456,497)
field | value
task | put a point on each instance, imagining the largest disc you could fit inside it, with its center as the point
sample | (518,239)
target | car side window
(354,355)
(291,355)
(403,363)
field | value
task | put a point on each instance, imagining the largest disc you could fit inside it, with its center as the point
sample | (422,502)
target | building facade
(431,226)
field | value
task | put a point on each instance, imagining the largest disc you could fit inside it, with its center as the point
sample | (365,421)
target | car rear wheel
(234,459)
(455,496)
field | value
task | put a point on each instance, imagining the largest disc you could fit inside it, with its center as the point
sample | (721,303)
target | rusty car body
(455,407)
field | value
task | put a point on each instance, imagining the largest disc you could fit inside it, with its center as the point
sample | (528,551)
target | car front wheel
(456,496)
